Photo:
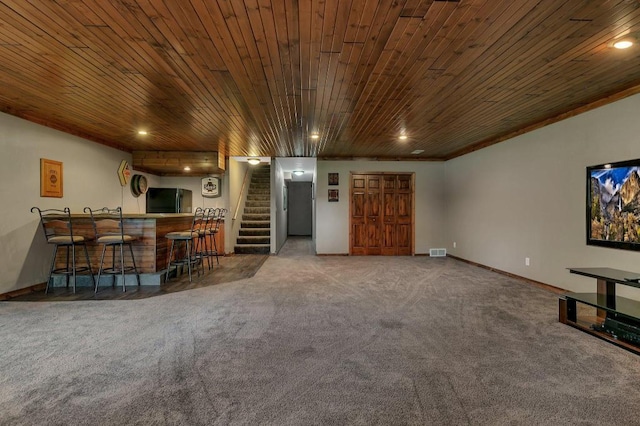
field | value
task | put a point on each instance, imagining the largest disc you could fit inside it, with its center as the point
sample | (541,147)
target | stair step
(256,224)
(258,197)
(255,228)
(254,239)
(258,203)
(246,232)
(252,217)
(257,210)
(252,249)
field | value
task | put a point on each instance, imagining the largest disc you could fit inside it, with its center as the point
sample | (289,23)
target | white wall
(526,197)
(236,173)
(332,219)
(314,214)
(279,219)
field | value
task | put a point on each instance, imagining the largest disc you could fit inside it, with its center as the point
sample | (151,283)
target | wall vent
(437,252)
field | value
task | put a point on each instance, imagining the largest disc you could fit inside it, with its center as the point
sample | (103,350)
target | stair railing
(244,184)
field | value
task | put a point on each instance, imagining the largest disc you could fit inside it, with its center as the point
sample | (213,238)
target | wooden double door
(381,209)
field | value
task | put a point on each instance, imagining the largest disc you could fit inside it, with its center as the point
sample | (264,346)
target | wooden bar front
(151,248)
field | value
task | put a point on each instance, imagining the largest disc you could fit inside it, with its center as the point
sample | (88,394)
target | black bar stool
(109,229)
(191,238)
(58,230)
(217,217)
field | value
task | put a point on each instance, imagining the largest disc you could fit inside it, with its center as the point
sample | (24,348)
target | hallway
(297,246)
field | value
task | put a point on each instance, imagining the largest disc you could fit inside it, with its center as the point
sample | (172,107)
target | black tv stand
(617,319)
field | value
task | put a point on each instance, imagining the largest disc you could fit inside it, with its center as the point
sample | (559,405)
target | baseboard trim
(22,291)
(544,286)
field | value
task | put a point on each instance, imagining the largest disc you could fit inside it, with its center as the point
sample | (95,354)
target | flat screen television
(613,205)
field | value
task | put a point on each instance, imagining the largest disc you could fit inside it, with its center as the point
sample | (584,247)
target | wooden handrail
(244,184)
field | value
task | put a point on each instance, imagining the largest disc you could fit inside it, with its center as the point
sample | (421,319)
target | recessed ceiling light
(143,132)
(298,172)
(418,151)
(187,169)
(253,161)
(623,44)
(403,137)
(315,136)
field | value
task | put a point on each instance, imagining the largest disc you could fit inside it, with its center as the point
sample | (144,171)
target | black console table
(617,319)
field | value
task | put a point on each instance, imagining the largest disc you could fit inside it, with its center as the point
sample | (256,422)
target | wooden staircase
(255,228)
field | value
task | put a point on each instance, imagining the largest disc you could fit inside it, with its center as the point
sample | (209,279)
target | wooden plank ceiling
(260,77)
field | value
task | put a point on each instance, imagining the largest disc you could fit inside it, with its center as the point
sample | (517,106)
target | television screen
(613,205)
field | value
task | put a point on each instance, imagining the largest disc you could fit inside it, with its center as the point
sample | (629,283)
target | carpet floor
(312,341)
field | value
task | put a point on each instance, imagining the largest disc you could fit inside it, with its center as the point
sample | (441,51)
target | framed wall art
(211,187)
(334,196)
(51,182)
(334,178)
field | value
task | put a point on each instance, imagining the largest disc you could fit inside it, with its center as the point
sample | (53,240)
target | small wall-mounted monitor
(169,200)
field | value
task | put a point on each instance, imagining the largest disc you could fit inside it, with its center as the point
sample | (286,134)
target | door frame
(413,205)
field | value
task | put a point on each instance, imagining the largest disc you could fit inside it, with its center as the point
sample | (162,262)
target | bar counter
(151,248)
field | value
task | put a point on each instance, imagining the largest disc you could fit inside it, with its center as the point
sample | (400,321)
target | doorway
(300,209)
(381,214)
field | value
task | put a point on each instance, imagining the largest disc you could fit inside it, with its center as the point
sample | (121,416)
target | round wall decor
(211,187)
(138,185)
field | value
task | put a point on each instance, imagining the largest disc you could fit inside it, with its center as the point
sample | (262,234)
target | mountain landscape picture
(614,205)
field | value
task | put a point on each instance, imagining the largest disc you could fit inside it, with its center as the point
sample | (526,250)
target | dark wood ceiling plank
(411,88)
(441,81)
(430,25)
(257,77)
(87,82)
(562,83)
(510,58)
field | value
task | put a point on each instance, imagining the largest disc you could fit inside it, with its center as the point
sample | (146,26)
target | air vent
(438,252)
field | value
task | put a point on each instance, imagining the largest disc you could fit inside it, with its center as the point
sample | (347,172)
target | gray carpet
(316,340)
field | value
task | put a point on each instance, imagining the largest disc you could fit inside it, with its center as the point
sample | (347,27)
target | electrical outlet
(454,244)
(526,261)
